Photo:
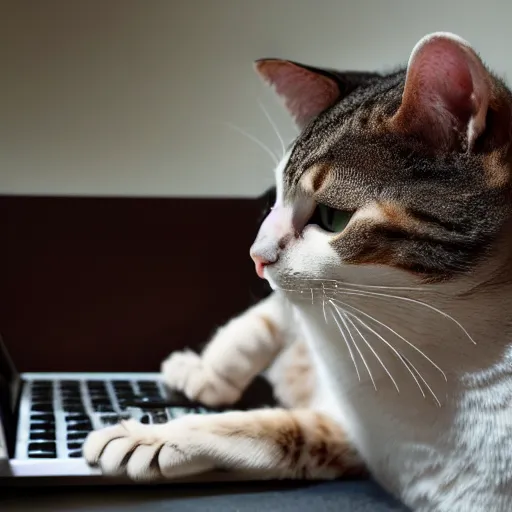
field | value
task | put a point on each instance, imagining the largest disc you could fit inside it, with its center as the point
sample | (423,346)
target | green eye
(333,220)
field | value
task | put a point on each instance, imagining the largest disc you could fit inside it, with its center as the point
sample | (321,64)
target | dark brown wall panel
(113,284)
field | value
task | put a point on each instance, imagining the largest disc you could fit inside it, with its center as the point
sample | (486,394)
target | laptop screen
(9,389)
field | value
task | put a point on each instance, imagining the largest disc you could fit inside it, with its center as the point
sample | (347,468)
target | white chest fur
(455,455)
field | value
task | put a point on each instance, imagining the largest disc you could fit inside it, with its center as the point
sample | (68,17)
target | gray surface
(358,496)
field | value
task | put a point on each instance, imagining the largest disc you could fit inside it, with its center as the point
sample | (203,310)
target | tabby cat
(388,333)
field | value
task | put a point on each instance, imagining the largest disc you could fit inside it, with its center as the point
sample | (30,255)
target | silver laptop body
(45,417)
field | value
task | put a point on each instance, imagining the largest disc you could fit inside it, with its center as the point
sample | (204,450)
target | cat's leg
(238,352)
(265,444)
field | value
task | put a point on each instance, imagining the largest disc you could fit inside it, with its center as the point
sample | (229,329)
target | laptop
(45,418)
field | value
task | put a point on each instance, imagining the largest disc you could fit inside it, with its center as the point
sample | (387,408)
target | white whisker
(364,324)
(323,308)
(407,299)
(274,126)
(372,349)
(347,327)
(359,351)
(347,344)
(395,333)
(423,380)
(372,286)
(256,141)
(402,359)
(323,305)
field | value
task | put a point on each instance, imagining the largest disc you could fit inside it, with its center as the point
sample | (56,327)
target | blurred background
(138,98)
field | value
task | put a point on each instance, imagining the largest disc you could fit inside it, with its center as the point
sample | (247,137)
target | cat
(388,332)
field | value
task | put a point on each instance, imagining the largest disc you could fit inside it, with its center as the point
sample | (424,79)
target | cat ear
(447,91)
(308,91)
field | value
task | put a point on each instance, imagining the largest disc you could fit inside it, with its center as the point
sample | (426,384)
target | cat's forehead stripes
(325,143)
(428,210)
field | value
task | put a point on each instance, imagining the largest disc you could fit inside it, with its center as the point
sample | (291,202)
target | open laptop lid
(9,392)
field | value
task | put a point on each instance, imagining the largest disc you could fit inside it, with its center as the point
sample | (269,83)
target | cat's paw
(187,372)
(146,452)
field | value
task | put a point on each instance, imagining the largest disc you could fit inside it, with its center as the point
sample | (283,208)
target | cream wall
(132,97)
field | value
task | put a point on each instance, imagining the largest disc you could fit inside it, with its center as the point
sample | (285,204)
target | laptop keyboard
(62,412)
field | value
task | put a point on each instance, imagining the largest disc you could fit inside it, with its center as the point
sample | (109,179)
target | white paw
(147,452)
(187,372)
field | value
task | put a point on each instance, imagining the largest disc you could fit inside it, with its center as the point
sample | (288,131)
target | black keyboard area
(63,412)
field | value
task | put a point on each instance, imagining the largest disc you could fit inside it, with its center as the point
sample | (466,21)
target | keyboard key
(41,387)
(76,426)
(76,455)
(73,405)
(42,407)
(42,455)
(78,409)
(38,429)
(76,417)
(69,383)
(97,395)
(44,446)
(76,436)
(75,400)
(70,387)
(75,389)
(42,384)
(122,383)
(41,399)
(123,387)
(37,416)
(42,435)
(101,401)
(125,396)
(42,394)
(95,384)
(71,395)
(98,392)
(42,417)
(75,446)
(42,427)
(103,408)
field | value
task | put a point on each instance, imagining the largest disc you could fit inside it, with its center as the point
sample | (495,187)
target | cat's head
(404,176)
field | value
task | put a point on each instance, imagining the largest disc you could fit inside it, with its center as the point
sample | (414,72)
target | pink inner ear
(306,94)
(440,78)
(446,88)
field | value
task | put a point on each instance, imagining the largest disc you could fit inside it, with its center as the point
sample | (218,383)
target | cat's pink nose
(260,263)
(275,232)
